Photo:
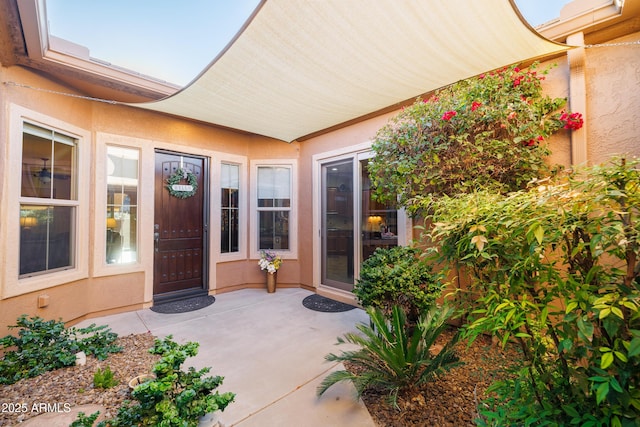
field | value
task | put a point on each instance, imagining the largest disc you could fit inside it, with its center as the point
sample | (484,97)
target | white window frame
(146,175)
(11,199)
(240,161)
(292,252)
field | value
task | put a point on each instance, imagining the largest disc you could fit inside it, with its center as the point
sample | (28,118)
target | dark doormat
(319,303)
(184,305)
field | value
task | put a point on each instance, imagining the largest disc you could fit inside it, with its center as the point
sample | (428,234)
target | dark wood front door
(180,229)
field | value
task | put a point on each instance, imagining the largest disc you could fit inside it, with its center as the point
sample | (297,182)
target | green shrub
(104,378)
(85,421)
(557,270)
(390,359)
(398,276)
(175,397)
(44,345)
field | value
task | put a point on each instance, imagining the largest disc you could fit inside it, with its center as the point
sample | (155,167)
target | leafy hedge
(557,269)
(397,276)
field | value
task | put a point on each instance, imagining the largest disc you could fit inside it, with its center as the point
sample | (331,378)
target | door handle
(156,240)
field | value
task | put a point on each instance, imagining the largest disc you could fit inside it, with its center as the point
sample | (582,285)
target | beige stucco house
(89,227)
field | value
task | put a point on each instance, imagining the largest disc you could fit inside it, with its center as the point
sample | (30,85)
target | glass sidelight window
(274,206)
(122,205)
(230,208)
(48,201)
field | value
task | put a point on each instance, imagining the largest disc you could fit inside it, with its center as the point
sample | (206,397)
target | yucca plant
(391,359)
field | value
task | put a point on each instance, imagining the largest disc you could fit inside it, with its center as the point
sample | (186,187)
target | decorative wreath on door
(182,191)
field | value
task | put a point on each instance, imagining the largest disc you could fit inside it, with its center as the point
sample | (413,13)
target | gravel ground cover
(56,391)
(451,400)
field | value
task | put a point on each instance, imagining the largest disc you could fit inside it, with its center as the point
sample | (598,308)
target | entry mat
(184,305)
(317,302)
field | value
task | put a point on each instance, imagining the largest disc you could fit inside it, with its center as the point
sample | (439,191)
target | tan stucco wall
(613,101)
(72,301)
(556,85)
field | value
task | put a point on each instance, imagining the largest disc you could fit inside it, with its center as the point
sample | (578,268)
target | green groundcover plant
(555,269)
(489,131)
(44,345)
(104,378)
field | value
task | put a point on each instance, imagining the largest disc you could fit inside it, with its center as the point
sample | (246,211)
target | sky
(175,40)
(538,12)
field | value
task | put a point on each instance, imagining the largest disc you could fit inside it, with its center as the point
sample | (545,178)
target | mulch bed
(452,399)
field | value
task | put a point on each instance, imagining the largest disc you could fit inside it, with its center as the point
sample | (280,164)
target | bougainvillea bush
(490,132)
(555,269)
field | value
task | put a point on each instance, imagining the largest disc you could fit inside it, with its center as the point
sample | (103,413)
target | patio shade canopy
(302,66)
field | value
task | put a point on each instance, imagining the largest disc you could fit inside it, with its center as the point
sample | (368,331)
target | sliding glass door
(353,225)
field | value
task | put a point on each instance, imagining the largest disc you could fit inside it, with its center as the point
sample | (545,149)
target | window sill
(230,257)
(42,282)
(116,269)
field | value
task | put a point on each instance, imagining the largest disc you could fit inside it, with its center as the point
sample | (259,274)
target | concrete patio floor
(270,349)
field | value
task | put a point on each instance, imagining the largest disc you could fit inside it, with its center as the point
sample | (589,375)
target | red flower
(511,116)
(572,121)
(475,105)
(516,81)
(517,70)
(448,115)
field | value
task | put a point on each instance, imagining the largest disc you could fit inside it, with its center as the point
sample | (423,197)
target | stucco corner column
(578,97)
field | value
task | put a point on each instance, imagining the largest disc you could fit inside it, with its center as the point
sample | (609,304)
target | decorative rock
(81,358)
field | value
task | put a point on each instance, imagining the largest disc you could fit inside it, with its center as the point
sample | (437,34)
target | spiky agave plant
(389,357)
